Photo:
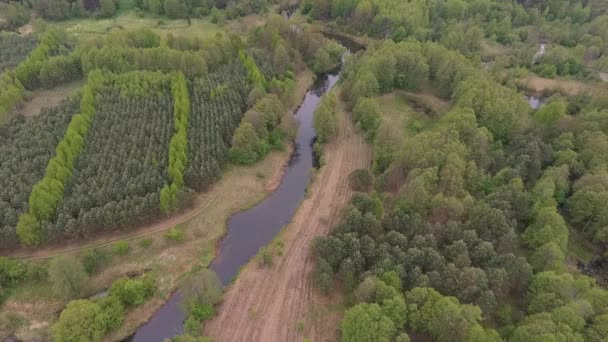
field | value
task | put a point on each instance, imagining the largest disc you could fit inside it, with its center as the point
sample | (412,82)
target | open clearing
(42,98)
(538,85)
(128,20)
(280,303)
(91,27)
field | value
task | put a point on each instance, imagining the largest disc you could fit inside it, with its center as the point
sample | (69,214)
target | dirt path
(274,304)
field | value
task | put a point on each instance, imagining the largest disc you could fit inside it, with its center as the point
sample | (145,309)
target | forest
(469,222)
(481,217)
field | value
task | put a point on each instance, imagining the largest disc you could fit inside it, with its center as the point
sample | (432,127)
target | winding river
(252,229)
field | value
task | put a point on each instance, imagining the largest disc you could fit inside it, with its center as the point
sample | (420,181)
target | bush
(367,115)
(121,247)
(201,312)
(325,120)
(202,288)
(12,272)
(323,276)
(133,292)
(81,320)
(360,180)
(266,256)
(192,326)
(145,243)
(175,234)
(68,276)
(93,260)
(37,271)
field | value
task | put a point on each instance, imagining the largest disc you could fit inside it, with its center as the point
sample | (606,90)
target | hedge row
(47,193)
(178,147)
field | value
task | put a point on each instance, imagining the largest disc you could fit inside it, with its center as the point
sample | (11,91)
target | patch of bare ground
(280,303)
(26,29)
(44,98)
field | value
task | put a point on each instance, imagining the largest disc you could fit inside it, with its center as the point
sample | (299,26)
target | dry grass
(539,85)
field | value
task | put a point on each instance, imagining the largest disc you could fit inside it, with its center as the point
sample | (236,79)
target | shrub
(323,276)
(145,243)
(202,288)
(192,325)
(68,276)
(93,260)
(121,247)
(175,234)
(201,312)
(325,120)
(81,320)
(266,256)
(12,272)
(132,292)
(360,180)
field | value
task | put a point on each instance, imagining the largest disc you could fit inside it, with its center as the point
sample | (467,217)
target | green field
(127,19)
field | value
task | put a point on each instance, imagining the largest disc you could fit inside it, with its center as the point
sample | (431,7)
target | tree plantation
(138,144)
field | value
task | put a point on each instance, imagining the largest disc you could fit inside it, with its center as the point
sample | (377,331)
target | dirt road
(274,304)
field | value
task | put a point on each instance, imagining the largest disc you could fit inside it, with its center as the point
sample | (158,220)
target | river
(252,229)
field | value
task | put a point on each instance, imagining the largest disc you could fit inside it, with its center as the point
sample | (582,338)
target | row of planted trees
(47,193)
(178,147)
(109,170)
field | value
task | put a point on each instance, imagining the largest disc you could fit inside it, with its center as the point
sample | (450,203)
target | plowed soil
(280,303)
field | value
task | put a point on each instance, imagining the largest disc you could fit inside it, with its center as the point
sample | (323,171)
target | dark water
(535,101)
(249,230)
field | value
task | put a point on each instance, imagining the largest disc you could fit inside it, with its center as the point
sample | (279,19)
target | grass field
(127,19)
(407,112)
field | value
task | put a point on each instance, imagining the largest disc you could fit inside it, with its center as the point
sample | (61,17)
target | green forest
(482,215)
(480,223)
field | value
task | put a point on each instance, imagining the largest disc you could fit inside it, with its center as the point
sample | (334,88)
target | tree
(202,288)
(551,112)
(131,292)
(548,226)
(16,15)
(366,322)
(325,120)
(367,114)
(280,59)
(175,9)
(67,276)
(548,257)
(247,147)
(81,320)
(365,85)
(107,8)
(360,180)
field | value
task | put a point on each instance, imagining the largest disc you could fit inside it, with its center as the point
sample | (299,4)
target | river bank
(240,187)
(278,303)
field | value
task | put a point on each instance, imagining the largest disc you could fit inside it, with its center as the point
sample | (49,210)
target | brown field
(279,303)
(538,85)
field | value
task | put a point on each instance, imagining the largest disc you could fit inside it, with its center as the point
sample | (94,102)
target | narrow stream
(252,229)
